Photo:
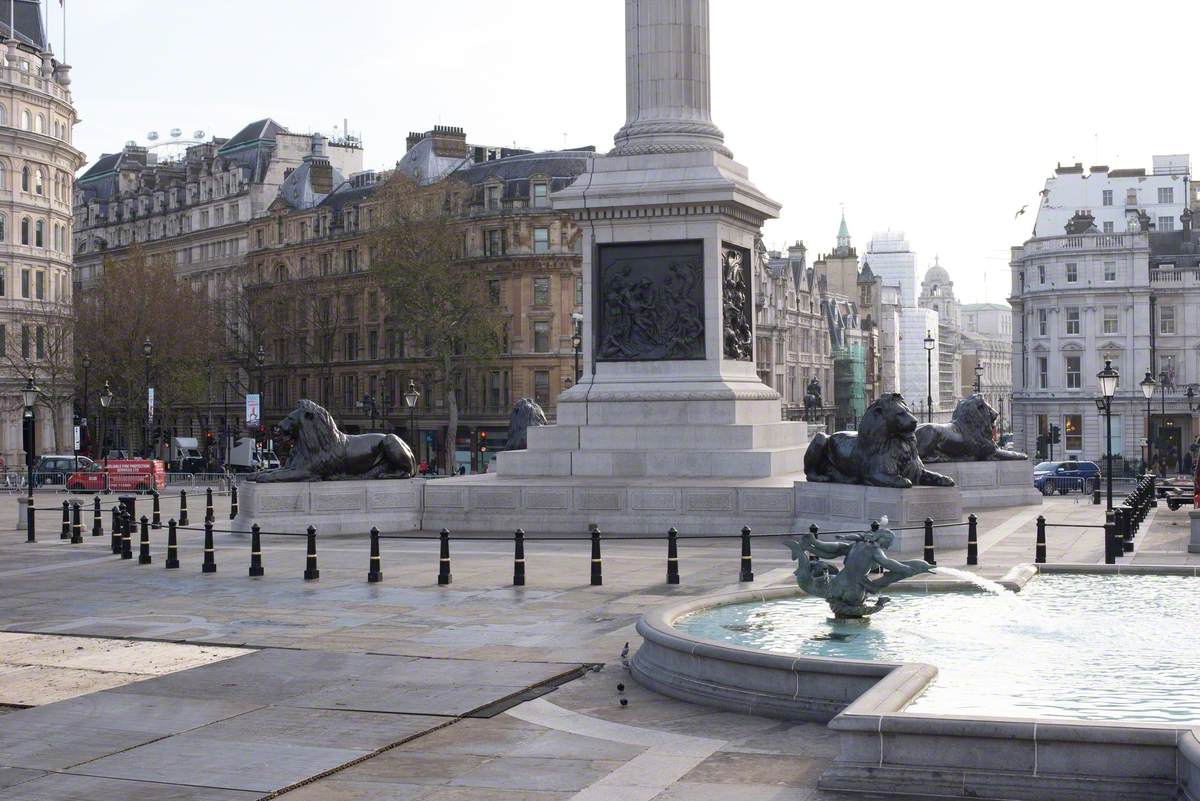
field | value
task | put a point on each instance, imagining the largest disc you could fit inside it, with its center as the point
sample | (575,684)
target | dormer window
(493,197)
(541,196)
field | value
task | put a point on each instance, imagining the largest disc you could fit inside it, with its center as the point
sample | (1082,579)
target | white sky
(937,118)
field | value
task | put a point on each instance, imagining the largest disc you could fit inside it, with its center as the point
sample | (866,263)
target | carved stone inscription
(736,303)
(650,301)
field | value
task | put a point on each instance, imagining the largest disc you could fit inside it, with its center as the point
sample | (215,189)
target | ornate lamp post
(929,342)
(577,343)
(86,363)
(411,397)
(106,397)
(29,396)
(978,376)
(1148,384)
(1109,379)
(260,357)
(147,351)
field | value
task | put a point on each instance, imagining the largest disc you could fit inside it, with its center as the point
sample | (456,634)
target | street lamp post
(29,396)
(1163,379)
(1148,384)
(1109,379)
(106,397)
(929,342)
(411,397)
(260,356)
(86,362)
(577,343)
(978,376)
(147,351)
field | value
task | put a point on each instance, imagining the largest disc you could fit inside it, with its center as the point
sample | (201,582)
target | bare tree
(442,299)
(138,298)
(41,347)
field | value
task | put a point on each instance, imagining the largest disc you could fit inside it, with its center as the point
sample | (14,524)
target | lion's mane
(320,445)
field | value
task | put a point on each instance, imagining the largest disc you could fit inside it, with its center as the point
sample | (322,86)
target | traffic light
(1055,434)
(483,442)
(208,438)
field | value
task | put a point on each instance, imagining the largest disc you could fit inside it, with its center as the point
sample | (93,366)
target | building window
(1074,377)
(351,351)
(25,179)
(1166,320)
(39,230)
(541,387)
(1108,227)
(1166,194)
(41,342)
(1043,372)
(494,244)
(1073,432)
(1072,273)
(541,195)
(494,292)
(1041,274)
(493,197)
(541,337)
(26,119)
(25,284)
(493,400)
(1042,322)
(1166,223)
(1110,271)
(1111,320)
(24,342)
(1130,197)
(372,344)
(1106,196)
(39,181)
(24,230)
(350,260)
(578,284)
(541,240)
(541,291)
(39,285)
(1072,321)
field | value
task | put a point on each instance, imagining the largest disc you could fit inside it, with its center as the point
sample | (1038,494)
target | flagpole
(63,4)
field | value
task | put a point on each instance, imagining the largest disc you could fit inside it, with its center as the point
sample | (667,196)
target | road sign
(76,437)
(253,408)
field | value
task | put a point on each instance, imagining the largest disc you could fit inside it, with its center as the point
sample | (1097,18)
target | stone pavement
(357,691)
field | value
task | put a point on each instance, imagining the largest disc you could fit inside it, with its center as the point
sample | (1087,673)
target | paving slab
(66,787)
(132,712)
(356,731)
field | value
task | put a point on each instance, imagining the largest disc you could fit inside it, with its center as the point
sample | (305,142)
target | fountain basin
(886,747)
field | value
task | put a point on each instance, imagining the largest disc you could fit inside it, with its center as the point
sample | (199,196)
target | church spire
(843,235)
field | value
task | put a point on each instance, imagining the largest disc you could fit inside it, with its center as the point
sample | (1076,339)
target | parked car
(1062,477)
(53,469)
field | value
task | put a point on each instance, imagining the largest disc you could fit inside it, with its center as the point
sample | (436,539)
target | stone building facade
(38,163)
(937,293)
(1082,296)
(349,354)
(986,339)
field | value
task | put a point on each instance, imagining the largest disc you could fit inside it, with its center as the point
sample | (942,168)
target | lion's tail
(814,457)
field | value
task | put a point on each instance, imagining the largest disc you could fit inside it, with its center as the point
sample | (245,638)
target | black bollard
(1153,492)
(116,529)
(747,573)
(310,563)
(66,522)
(444,576)
(208,506)
(233,501)
(129,503)
(126,535)
(183,518)
(172,546)
(30,535)
(672,556)
(97,518)
(256,568)
(210,552)
(519,558)
(76,523)
(929,542)
(597,564)
(375,568)
(1110,537)
(1096,495)
(972,540)
(155,514)
(1039,548)
(1127,533)
(144,542)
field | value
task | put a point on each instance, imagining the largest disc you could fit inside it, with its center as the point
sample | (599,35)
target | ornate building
(348,352)
(987,342)
(37,169)
(937,294)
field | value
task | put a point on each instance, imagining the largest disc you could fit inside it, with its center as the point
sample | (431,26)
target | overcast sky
(940,119)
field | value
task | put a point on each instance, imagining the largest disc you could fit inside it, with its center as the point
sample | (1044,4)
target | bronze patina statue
(525,414)
(322,452)
(970,436)
(846,589)
(883,452)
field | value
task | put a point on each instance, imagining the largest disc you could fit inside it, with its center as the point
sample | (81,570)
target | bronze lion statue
(970,436)
(882,453)
(321,452)
(525,413)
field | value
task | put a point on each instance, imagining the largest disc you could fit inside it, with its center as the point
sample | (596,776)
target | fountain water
(966,575)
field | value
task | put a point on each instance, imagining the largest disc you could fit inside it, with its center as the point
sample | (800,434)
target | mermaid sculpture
(846,589)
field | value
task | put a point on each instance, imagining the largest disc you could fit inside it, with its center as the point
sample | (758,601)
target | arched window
(39,124)
(3,227)
(3,115)
(281,273)
(24,230)
(3,174)
(25,178)
(26,122)
(39,182)
(40,234)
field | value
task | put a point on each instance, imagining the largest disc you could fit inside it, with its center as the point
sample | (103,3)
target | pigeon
(883,521)
(1021,211)
(625,656)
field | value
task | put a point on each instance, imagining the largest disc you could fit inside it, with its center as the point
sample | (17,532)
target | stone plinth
(498,503)
(841,507)
(1194,540)
(991,484)
(333,507)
